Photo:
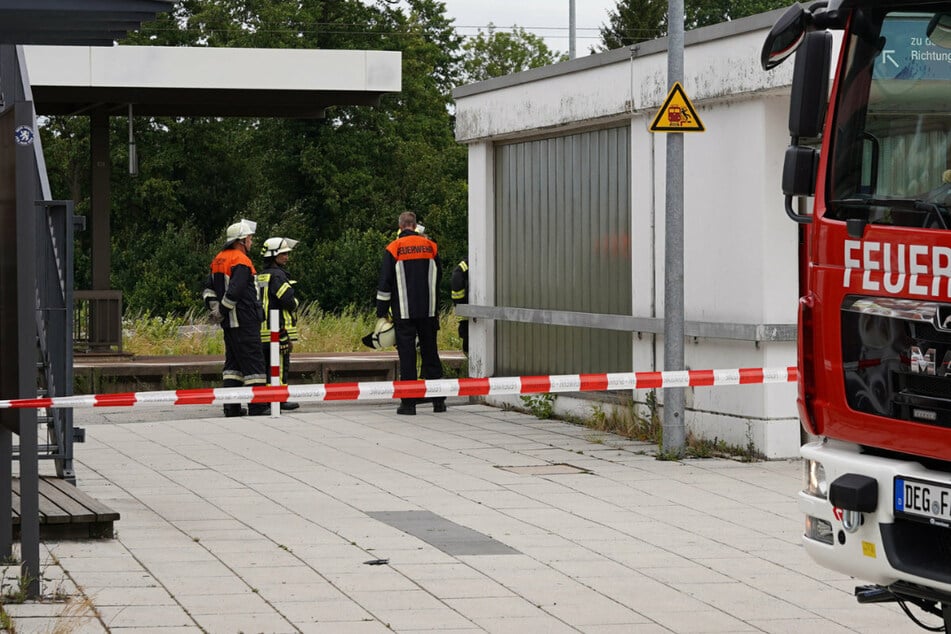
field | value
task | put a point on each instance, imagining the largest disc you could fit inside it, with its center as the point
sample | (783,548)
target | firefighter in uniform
(277,293)
(459,283)
(231,295)
(409,281)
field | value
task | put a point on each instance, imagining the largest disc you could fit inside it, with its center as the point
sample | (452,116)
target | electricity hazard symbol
(677,114)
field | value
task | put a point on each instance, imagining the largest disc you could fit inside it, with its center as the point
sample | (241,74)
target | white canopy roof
(182,81)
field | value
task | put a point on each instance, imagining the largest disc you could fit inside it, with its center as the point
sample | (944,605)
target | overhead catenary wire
(338,28)
(206,32)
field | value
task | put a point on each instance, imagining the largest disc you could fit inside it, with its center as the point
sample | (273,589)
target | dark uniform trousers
(243,361)
(242,357)
(407,330)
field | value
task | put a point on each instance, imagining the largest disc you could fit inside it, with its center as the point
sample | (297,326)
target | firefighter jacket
(409,278)
(232,289)
(459,283)
(277,293)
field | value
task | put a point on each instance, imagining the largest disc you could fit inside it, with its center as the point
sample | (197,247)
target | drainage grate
(447,536)
(560,468)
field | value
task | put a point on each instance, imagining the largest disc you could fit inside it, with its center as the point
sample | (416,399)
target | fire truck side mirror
(783,39)
(799,178)
(799,171)
(810,85)
(939,30)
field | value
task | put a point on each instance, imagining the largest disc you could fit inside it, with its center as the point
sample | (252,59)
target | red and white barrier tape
(421,389)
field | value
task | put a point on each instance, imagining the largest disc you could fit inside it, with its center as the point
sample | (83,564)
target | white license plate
(920,499)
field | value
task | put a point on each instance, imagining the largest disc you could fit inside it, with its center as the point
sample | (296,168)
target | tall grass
(320,331)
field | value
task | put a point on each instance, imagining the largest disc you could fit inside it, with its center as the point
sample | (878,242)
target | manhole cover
(560,468)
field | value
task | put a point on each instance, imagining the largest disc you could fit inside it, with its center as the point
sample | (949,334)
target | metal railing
(97,321)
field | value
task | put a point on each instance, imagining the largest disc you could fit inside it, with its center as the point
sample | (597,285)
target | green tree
(498,53)
(322,181)
(706,12)
(346,269)
(142,265)
(633,21)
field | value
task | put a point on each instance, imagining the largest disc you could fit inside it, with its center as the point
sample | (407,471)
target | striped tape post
(370,391)
(274,321)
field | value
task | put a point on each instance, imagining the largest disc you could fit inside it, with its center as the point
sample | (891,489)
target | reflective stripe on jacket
(459,283)
(232,283)
(409,277)
(277,293)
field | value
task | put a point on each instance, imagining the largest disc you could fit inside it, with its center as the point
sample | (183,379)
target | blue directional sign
(909,54)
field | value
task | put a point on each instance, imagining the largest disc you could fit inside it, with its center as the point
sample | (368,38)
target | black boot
(439,405)
(234,409)
(407,407)
(259,409)
(289,405)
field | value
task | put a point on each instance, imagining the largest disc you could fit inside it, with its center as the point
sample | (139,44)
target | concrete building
(566,226)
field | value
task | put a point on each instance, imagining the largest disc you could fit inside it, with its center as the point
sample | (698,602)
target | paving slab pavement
(346,518)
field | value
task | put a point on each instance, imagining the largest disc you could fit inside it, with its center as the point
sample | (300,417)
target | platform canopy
(197,81)
(80,22)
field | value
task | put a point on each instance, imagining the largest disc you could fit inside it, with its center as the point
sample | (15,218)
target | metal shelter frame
(36,283)
(100,83)
(36,253)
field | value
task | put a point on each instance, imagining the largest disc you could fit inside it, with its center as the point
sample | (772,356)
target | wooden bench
(66,512)
(369,367)
(104,374)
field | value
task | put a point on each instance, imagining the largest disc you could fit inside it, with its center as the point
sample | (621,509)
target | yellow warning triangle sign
(677,114)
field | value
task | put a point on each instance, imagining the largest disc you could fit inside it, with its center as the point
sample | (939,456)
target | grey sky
(545,18)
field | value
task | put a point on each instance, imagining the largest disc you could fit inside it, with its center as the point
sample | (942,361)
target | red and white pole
(274,321)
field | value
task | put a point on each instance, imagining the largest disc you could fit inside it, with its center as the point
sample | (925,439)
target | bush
(320,331)
(162,273)
(342,273)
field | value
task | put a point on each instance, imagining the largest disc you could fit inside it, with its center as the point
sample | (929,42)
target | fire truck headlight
(814,479)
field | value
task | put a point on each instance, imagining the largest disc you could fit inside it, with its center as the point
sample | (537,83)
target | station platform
(66,511)
(347,518)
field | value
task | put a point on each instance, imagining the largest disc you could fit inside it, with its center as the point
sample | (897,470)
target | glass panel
(893,125)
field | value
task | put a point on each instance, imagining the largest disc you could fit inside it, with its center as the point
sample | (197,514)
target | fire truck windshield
(891,138)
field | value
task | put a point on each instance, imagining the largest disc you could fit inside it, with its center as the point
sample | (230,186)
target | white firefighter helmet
(383,335)
(421,230)
(239,231)
(276,246)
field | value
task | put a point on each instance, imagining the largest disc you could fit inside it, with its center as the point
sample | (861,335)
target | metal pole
(25,355)
(673,438)
(133,157)
(572,31)
(8,75)
(100,201)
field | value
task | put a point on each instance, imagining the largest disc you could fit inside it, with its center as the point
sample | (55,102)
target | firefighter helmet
(240,231)
(420,229)
(276,246)
(383,335)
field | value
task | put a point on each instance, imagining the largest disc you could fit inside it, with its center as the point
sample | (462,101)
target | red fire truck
(874,156)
